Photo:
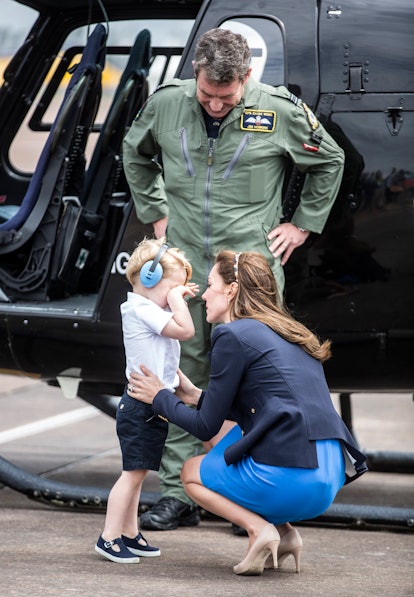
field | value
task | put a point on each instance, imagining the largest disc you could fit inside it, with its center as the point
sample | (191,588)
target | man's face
(218,100)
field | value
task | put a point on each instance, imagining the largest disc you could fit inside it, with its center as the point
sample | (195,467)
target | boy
(155,317)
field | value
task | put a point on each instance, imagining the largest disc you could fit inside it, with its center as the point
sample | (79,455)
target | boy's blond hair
(147,250)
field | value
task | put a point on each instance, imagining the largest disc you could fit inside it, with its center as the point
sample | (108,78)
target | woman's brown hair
(258,298)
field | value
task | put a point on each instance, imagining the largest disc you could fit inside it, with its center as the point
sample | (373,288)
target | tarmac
(49,550)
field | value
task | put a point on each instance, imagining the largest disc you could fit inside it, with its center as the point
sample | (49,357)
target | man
(223,140)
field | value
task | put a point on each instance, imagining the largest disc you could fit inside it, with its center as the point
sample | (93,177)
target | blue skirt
(278,494)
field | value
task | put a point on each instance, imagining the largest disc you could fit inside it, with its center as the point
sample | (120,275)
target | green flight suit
(223,193)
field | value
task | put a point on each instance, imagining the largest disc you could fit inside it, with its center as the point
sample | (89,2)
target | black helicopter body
(352,63)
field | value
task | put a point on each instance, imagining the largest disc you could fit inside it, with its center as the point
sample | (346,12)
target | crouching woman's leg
(263,536)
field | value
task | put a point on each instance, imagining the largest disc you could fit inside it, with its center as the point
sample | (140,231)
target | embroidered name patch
(313,121)
(263,121)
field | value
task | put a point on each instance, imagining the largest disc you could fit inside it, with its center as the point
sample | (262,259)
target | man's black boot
(168,514)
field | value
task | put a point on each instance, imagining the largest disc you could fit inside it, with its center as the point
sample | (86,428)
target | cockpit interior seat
(105,193)
(28,237)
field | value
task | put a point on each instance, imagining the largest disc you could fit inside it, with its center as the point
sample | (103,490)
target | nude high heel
(291,543)
(265,545)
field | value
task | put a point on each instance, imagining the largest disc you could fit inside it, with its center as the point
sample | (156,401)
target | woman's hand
(187,391)
(144,387)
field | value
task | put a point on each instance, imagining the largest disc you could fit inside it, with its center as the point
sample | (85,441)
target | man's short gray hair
(224,56)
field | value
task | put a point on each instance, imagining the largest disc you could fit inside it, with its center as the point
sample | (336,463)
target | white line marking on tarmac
(72,416)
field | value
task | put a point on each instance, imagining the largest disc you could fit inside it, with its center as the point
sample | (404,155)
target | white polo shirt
(142,324)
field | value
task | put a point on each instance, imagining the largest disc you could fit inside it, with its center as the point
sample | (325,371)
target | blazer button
(253,410)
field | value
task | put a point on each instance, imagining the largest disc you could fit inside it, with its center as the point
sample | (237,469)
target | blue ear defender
(151,272)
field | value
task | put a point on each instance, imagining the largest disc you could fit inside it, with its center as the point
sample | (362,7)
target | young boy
(154,318)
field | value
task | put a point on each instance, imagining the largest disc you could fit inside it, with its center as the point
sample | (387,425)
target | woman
(289,460)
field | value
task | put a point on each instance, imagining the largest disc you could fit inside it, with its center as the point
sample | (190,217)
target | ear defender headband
(151,272)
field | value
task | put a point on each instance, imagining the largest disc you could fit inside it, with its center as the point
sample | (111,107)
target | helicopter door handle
(394,120)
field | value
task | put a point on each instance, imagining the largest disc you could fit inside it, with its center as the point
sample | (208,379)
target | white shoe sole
(116,559)
(144,554)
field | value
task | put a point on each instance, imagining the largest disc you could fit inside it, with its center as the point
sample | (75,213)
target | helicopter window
(167,42)
(16,20)
(265,38)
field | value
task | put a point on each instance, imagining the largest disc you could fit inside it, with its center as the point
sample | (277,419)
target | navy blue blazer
(274,390)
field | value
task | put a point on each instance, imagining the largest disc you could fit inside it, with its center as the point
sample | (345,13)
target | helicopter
(67,220)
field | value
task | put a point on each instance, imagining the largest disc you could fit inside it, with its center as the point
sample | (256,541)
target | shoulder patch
(262,121)
(283,92)
(313,121)
(294,99)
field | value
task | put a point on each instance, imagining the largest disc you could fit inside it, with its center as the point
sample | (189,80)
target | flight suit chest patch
(262,121)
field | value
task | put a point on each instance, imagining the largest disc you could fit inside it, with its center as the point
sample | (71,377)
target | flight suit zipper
(210,153)
(185,152)
(237,154)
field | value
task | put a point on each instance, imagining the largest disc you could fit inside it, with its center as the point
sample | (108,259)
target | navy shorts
(141,435)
